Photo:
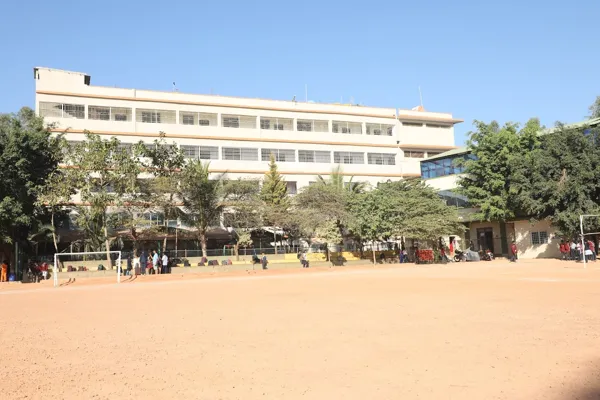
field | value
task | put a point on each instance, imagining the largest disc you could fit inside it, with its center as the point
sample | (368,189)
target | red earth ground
(529,330)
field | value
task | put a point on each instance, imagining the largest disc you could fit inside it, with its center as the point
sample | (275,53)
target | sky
(487,60)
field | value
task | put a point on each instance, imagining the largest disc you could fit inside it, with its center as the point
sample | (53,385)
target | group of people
(573,250)
(145,264)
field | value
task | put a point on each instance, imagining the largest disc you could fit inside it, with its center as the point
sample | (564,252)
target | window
(200,152)
(155,116)
(190,152)
(277,124)
(208,153)
(380,129)
(413,124)
(443,166)
(100,113)
(414,154)
(187,119)
(354,128)
(62,110)
(441,126)
(291,187)
(125,147)
(103,113)
(193,118)
(151,117)
(347,157)
(314,156)
(238,121)
(433,153)
(281,155)
(381,158)
(312,125)
(239,154)
(539,237)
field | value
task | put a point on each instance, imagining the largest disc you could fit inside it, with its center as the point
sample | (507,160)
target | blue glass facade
(443,166)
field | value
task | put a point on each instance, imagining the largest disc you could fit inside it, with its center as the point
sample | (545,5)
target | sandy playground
(469,331)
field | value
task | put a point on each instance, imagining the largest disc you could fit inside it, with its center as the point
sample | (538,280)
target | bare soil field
(495,330)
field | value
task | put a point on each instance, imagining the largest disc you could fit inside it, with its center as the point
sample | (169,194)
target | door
(485,239)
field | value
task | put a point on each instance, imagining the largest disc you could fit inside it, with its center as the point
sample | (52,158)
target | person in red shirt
(592,247)
(44,270)
(513,252)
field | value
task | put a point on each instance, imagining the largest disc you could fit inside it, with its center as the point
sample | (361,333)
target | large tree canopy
(30,154)
(500,155)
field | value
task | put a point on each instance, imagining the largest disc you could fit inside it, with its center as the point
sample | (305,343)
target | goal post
(584,234)
(85,253)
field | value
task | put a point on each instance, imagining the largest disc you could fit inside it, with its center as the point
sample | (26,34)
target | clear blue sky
(505,60)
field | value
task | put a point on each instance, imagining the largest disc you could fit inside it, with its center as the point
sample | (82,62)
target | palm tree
(336,179)
(202,198)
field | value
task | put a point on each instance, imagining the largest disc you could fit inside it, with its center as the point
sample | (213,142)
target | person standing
(155,264)
(513,252)
(136,265)
(165,263)
(592,247)
(129,265)
(4,272)
(143,262)
(264,261)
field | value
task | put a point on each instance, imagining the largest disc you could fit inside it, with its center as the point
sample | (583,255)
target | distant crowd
(573,250)
(147,264)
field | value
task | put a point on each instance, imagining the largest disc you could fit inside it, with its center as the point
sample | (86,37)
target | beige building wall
(523,231)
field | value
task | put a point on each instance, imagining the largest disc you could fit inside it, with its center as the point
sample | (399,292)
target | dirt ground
(469,331)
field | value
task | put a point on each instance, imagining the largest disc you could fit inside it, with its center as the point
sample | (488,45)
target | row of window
(443,166)
(281,155)
(150,116)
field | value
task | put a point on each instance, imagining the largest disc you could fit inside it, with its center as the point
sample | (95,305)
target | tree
(563,179)
(105,173)
(202,198)
(319,207)
(274,188)
(30,154)
(54,196)
(336,179)
(275,199)
(595,109)
(498,154)
(243,209)
(402,209)
(164,162)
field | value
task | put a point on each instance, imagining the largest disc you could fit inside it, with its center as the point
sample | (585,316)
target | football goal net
(588,222)
(86,257)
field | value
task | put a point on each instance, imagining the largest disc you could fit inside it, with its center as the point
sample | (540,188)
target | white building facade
(238,135)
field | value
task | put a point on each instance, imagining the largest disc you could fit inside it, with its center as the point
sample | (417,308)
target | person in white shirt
(136,264)
(165,263)
(155,263)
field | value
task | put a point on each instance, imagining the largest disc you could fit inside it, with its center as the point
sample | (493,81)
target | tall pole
(582,241)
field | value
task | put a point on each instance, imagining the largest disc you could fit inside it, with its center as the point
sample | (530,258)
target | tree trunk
(236,249)
(275,238)
(54,234)
(107,244)
(373,251)
(164,249)
(203,243)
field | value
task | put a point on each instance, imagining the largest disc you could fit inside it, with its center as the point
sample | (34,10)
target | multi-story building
(238,135)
